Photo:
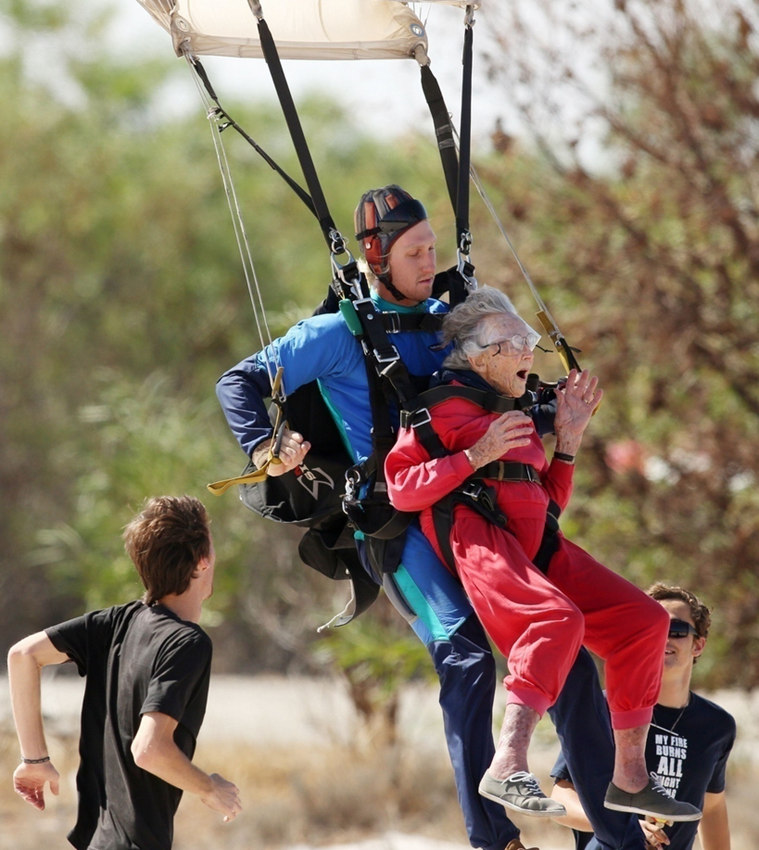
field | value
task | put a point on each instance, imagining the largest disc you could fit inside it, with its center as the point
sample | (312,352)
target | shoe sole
(619,807)
(514,808)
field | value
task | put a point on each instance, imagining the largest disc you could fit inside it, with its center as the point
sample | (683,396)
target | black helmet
(382,215)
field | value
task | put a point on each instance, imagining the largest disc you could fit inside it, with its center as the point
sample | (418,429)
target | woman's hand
(509,431)
(576,402)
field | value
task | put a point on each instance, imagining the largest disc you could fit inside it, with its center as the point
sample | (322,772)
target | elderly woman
(538,616)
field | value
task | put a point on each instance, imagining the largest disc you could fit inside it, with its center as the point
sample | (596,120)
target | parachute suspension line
(230,122)
(216,117)
(565,352)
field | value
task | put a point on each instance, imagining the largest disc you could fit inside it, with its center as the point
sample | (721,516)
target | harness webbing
(441,120)
(226,120)
(269,49)
(464,237)
(474,492)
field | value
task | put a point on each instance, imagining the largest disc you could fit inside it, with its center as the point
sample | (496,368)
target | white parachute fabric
(302,29)
(462,4)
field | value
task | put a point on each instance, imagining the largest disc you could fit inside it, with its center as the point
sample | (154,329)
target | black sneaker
(653,800)
(521,793)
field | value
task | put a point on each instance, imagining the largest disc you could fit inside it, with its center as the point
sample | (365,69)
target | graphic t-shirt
(688,750)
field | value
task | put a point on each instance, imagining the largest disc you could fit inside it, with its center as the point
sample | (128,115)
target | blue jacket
(321,348)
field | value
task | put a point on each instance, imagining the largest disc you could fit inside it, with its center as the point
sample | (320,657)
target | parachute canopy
(302,29)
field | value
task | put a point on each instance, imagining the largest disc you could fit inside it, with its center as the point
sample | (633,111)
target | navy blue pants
(433,602)
(466,668)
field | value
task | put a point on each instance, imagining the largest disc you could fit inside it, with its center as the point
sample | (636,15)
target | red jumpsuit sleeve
(414,480)
(558,481)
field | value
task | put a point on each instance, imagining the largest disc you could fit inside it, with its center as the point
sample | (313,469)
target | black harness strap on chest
(395,323)
(366,502)
(421,421)
(391,388)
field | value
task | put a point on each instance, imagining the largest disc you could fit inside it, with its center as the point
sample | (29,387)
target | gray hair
(463,324)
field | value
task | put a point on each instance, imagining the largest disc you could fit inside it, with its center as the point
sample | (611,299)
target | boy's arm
(25,661)
(564,792)
(154,750)
(714,829)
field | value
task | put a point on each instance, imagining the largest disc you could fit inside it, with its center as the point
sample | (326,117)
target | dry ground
(311,776)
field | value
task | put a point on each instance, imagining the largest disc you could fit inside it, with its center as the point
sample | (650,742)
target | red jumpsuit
(538,622)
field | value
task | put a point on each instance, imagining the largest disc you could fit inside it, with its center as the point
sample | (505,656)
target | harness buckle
(417,420)
(354,480)
(392,322)
(482,496)
(478,492)
(390,357)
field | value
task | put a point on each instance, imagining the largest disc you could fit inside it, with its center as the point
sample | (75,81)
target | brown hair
(700,614)
(166,541)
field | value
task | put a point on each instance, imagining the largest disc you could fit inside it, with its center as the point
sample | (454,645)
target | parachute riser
(563,349)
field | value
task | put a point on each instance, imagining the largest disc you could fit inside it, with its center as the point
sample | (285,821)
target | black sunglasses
(681,629)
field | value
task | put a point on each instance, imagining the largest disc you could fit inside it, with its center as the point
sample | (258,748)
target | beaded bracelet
(35,761)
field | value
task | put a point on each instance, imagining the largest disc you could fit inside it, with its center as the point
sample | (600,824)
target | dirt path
(280,713)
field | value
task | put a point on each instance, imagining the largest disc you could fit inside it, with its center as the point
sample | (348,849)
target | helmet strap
(385,280)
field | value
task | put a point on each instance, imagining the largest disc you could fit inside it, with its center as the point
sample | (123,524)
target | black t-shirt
(688,750)
(137,659)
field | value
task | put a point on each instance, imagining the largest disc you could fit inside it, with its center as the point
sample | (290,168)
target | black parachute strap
(366,502)
(420,418)
(459,281)
(269,49)
(395,323)
(455,168)
(489,400)
(383,432)
(463,236)
(443,131)
(472,492)
(225,121)
(474,495)
(381,352)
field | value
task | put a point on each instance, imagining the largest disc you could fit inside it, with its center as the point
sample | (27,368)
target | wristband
(35,761)
(564,456)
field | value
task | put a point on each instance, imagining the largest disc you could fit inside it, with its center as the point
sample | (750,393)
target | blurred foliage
(631,199)
(644,237)
(122,298)
(375,665)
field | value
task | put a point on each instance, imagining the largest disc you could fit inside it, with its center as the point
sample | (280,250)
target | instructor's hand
(292,452)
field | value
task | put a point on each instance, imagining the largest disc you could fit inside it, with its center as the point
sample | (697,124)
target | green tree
(122,299)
